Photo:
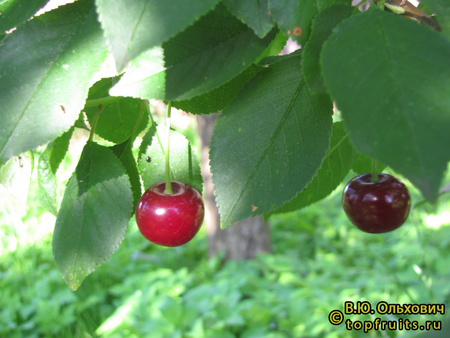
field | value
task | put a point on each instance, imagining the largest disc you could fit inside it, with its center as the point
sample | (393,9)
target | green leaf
(118,117)
(335,166)
(134,26)
(320,31)
(254,13)
(46,69)
(57,149)
(270,142)
(218,98)
(192,63)
(93,216)
(15,177)
(16,12)
(393,94)
(184,164)
(364,164)
(289,14)
(48,164)
(323,4)
(47,184)
(124,153)
(442,10)
(81,123)
(147,141)
(145,77)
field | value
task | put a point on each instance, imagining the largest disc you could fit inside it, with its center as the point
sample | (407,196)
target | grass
(319,262)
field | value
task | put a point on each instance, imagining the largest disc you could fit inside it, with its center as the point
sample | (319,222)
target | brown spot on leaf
(297,31)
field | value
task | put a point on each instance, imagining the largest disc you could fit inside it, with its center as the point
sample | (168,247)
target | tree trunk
(242,240)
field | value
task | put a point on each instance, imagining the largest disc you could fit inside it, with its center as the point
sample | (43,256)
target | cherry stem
(374,173)
(94,124)
(168,190)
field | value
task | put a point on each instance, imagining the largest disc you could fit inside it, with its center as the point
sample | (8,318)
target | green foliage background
(319,261)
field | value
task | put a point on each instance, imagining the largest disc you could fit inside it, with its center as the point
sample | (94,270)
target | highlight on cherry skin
(170,219)
(376,207)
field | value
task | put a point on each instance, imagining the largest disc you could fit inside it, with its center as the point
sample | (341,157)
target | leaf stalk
(102,101)
(94,124)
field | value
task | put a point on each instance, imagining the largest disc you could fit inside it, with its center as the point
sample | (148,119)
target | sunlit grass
(319,261)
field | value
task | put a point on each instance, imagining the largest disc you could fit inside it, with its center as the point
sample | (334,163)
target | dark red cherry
(376,207)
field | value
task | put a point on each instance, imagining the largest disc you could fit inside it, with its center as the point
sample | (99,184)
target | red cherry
(170,219)
(376,207)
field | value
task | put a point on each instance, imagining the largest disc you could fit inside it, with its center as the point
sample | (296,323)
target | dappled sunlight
(122,315)
(52,4)
(18,233)
(319,261)
(436,221)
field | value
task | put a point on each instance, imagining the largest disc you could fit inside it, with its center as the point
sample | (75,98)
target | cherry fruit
(170,219)
(376,207)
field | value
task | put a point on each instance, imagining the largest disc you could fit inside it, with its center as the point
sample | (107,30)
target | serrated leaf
(146,141)
(94,214)
(46,69)
(321,29)
(124,153)
(145,77)
(191,63)
(48,164)
(134,26)
(219,98)
(15,176)
(394,93)
(81,123)
(59,149)
(184,165)
(118,118)
(270,142)
(254,13)
(335,166)
(16,12)
(442,10)
(289,14)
